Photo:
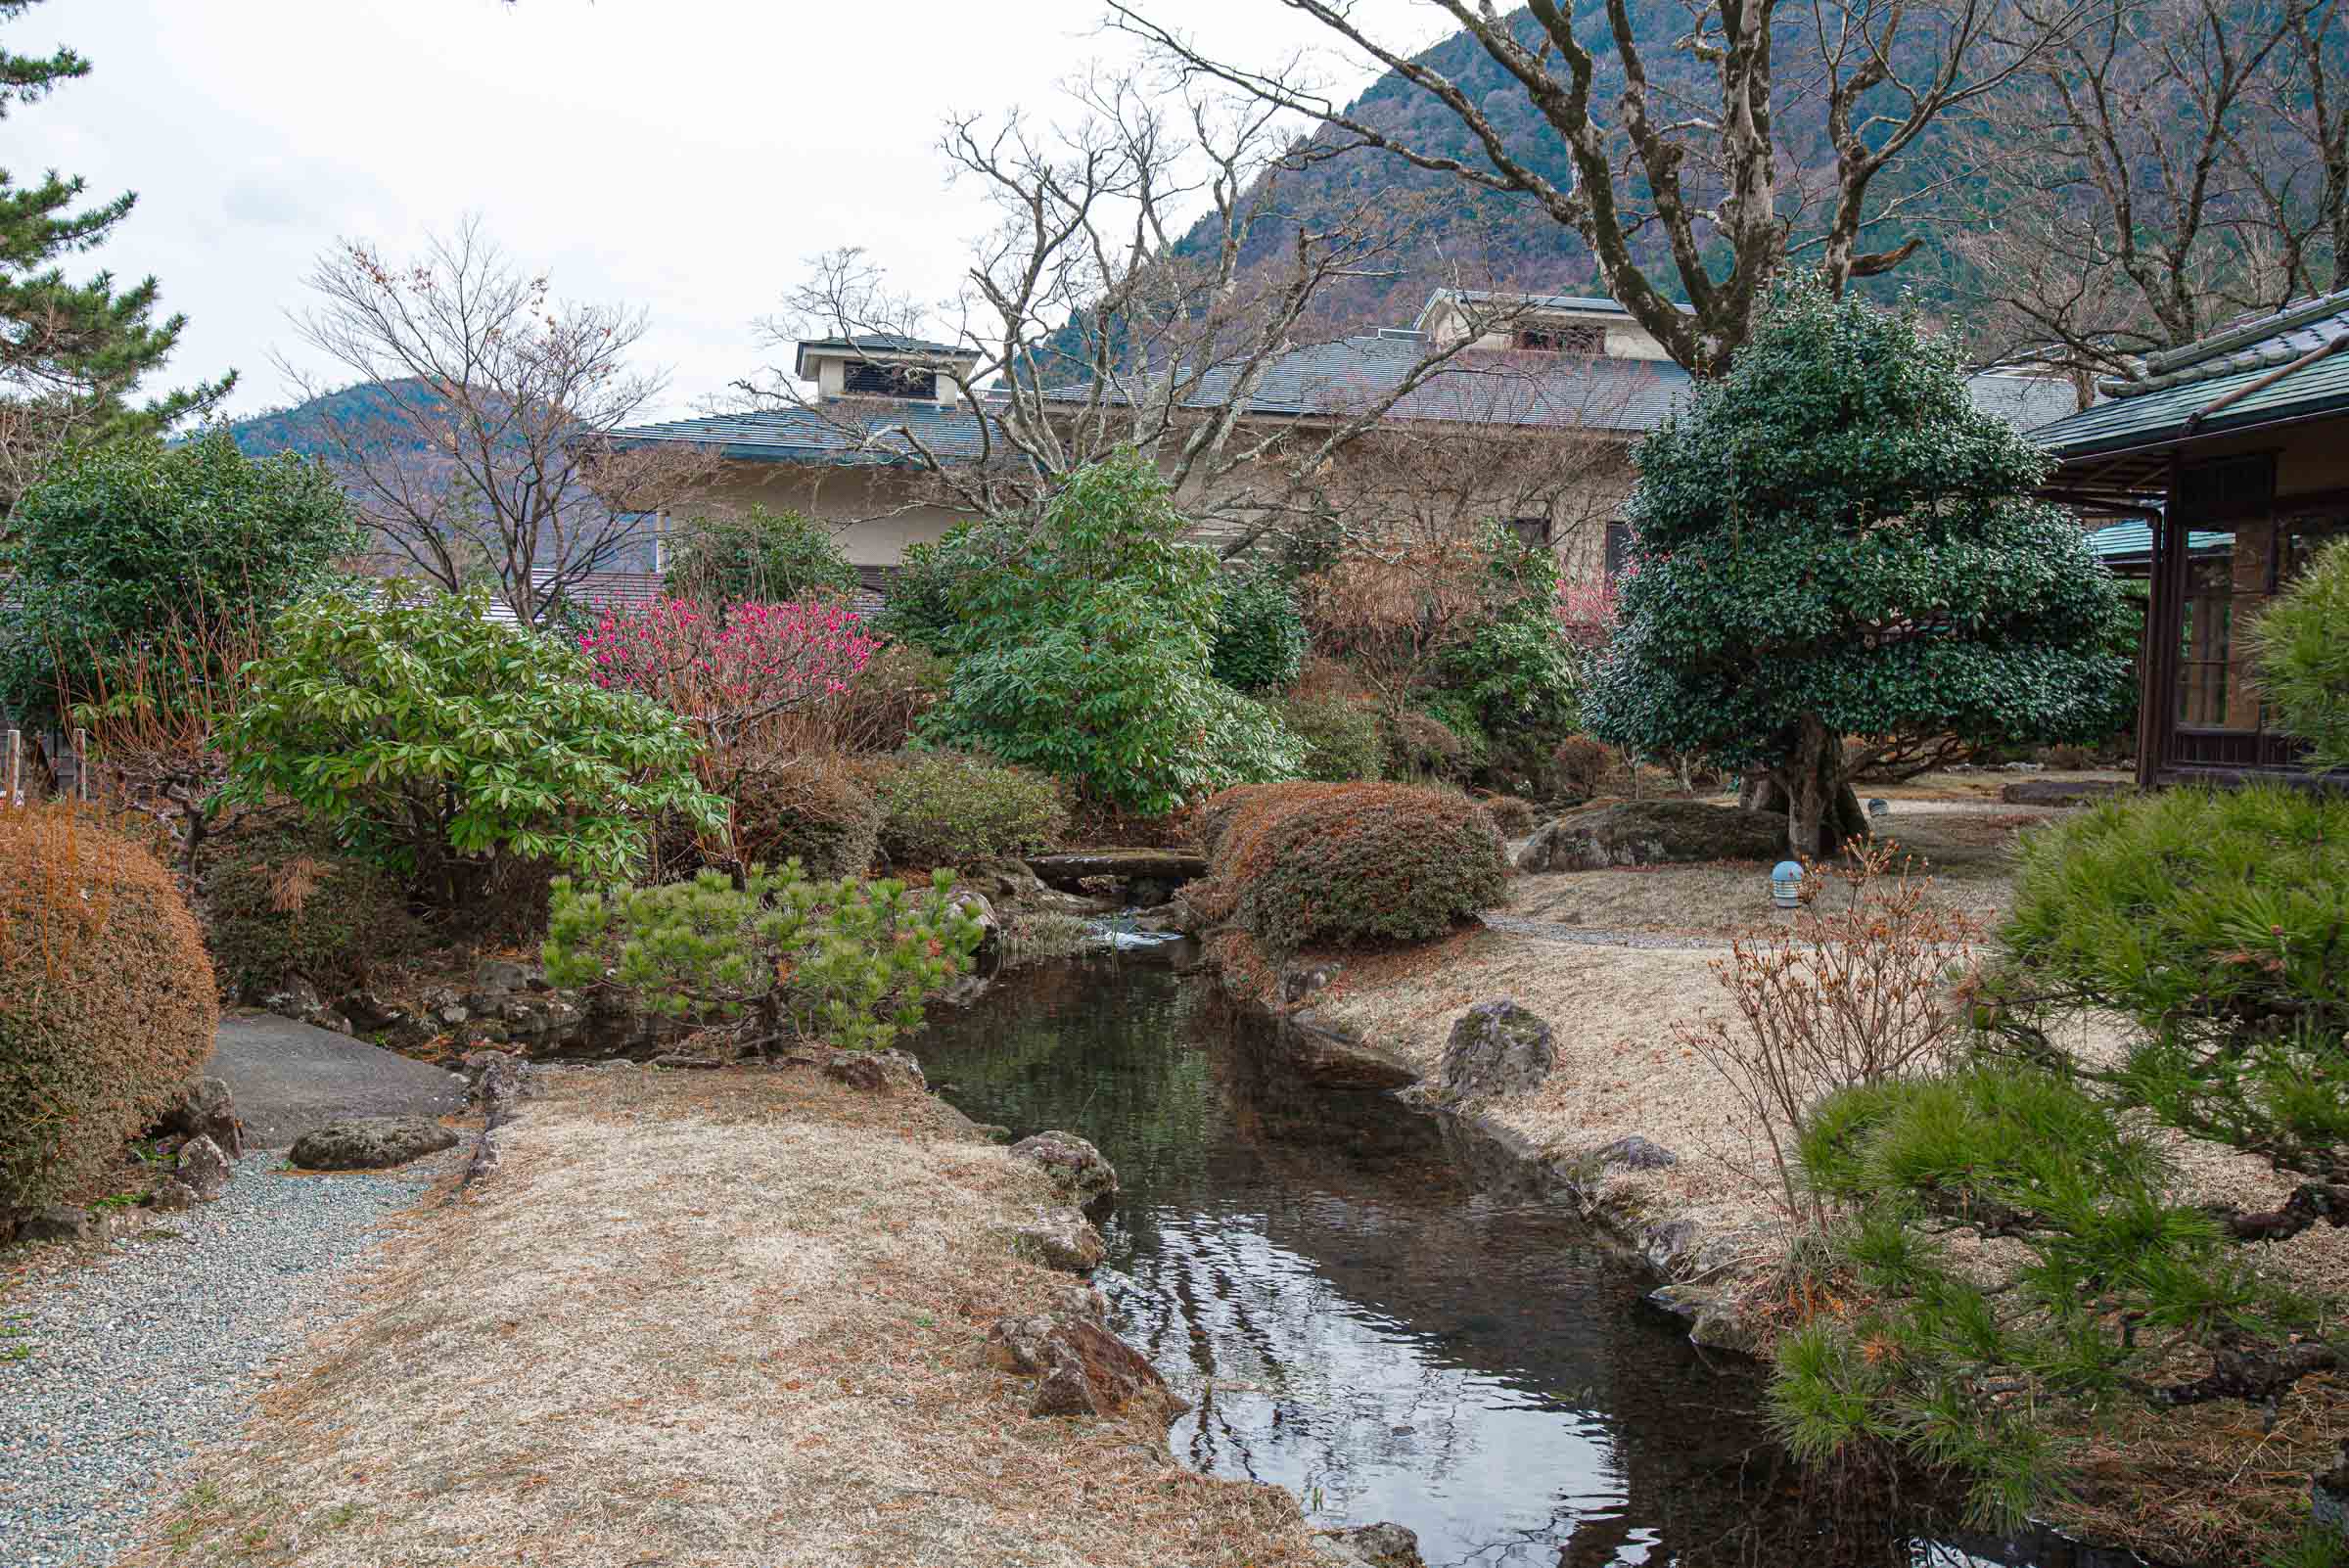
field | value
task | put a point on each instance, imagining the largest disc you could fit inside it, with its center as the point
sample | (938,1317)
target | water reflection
(1362,1318)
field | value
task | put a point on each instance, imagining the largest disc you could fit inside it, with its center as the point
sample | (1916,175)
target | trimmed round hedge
(107,1003)
(1310,865)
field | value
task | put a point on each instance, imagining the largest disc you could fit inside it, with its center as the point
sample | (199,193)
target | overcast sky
(683,155)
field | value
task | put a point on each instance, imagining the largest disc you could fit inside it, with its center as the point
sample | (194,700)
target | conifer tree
(71,353)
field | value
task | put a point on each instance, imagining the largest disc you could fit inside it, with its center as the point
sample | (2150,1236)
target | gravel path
(1600,936)
(127,1361)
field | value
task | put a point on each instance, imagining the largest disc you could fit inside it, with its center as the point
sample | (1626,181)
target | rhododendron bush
(747,674)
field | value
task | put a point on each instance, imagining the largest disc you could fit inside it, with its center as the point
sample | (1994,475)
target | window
(1619,547)
(1532,531)
(863,378)
(1564,339)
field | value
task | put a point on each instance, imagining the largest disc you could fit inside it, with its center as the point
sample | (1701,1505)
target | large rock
(1654,833)
(1078,1170)
(1497,1047)
(370,1143)
(287,1079)
(206,1110)
(876,1071)
(204,1169)
(58,1222)
(1060,1238)
(1084,1368)
(1377,1546)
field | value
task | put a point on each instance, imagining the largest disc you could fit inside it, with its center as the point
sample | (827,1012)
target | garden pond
(1367,1307)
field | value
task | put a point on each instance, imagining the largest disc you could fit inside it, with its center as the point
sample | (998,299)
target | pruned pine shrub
(2303,643)
(106,998)
(811,810)
(946,807)
(850,962)
(1344,741)
(2219,922)
(280,905)
(1300,866)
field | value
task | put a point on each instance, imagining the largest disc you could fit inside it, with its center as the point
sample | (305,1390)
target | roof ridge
(2193,361)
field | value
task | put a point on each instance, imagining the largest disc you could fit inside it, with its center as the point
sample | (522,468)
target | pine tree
(71,353)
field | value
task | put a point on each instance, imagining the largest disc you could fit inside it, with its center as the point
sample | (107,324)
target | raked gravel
(163,1343)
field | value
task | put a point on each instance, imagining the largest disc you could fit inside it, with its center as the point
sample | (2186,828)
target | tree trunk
(1822,814)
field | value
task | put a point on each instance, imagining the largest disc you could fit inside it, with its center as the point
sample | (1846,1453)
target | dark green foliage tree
(1082,651)
(71,353)
(411,725)
(761,555)
(124,544)
(2218,924)
(1831,539)
(1259,634)
(921,608)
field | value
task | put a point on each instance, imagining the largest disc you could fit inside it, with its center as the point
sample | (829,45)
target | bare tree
(1088,321)
(476,445)
(2170,164)
(1706,177)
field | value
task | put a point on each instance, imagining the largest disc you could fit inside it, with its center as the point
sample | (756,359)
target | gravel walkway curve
(1601,936)
(129,1361)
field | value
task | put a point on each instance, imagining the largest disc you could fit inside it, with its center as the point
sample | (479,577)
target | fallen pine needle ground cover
(705,1318)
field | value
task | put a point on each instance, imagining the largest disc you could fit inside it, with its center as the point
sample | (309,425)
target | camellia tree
(1831,539)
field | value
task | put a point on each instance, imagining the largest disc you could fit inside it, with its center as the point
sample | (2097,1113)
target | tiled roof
(1541,390)
(2215,384)
(1528,388)
(2024,402)
(1599,302)
(853,435)
(2123,543)
(886,342)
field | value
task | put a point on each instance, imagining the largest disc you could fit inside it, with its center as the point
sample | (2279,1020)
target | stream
(1366,1309)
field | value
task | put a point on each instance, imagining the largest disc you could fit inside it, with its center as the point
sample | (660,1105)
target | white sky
(687,156)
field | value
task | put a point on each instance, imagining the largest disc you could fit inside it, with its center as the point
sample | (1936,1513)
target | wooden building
(2234,452)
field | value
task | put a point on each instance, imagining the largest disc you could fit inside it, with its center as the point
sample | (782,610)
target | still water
(1364,1308)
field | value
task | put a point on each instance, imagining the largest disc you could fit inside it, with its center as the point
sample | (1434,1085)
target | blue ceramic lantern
(1786,884)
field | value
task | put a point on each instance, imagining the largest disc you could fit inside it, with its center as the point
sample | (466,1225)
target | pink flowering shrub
(1586,612)
(740,676)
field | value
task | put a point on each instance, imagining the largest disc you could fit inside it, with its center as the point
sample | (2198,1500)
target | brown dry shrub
(1584,763)
(278,906)
(813,808)
(1514,818)
(106,998)
(1343,864)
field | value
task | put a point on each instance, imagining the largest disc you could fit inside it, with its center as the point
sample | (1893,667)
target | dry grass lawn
(706,1318)
(1965,847)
